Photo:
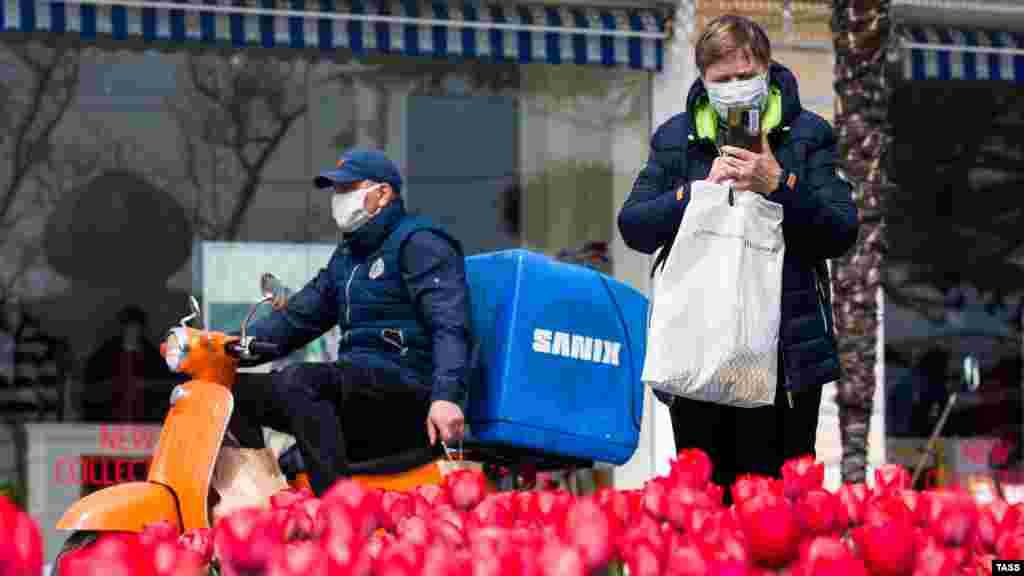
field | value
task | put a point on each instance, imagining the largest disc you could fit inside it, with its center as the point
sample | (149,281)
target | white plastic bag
(715,314)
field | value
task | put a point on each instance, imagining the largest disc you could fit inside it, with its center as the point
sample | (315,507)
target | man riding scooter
(396,286)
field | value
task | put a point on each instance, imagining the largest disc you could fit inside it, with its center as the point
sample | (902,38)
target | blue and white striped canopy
(454,28)
(951,54)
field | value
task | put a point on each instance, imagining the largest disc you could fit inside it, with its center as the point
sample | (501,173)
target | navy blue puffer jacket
(819,215)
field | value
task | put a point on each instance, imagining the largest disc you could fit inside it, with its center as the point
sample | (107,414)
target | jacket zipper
(785,376)
(348,297)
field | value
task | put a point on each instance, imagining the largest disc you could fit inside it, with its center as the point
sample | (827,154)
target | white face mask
(750,93)
(349,209)
(131,336)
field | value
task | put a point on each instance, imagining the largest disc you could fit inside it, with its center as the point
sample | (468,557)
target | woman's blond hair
(730,32)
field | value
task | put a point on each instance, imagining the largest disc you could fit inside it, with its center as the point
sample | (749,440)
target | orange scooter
(198,473)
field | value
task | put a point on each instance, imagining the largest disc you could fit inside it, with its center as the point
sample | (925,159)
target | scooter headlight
(175,348)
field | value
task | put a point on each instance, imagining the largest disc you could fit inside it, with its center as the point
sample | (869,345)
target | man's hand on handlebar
(279,302)
(445,420)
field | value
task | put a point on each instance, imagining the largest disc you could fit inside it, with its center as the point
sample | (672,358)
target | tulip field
(676,525)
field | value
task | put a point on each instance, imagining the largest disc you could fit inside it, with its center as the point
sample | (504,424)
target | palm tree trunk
(862,34)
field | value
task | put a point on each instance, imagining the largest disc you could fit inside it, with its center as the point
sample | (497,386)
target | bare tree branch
(240,115)
(27,150)
(254,173)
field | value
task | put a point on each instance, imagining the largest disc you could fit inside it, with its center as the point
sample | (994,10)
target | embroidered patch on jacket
(377,269)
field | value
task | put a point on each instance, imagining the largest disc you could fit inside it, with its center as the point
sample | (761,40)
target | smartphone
(743,129)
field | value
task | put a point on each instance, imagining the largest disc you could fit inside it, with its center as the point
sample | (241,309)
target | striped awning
(503,31)
(953,54)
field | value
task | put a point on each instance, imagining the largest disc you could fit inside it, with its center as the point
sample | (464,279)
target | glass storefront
(117,162)
(954,277)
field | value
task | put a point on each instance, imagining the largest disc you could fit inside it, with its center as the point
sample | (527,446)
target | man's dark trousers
(337,413)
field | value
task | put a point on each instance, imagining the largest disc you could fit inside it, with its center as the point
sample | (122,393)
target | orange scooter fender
(406,481)
(127,507)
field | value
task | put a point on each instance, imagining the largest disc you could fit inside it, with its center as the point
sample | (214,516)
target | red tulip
(433,495)
(363,504)
(395,506)
(818,512)
(986,532)
(713,528)
(617,505)
(957,520)
(656,500)
(687,560)
(442,561)
(801,475)
(169,559)
(466,488)
(112,555)
(730,568)
(730,547)
(343,545)
(200,541)
(851,499)
(24,544)
(524,505)
(691,468)
(933,560)
(644,529)
(558,559)
(842,567)
(450,514)
(773,535)
(823,550)
(644,560)
(760,502)
(887,549)
(549,507)
(588,528)
(244,539)
(298,559)
(1006,516)
(380,540)
(415,529)
(295,523)
(158,532)
(885,509)
(312,507)
(748,486)
(402,558)
(715,492)
(448,533)
(289,497)
(1011,546)
(681,503)
(492,511)
(891,477)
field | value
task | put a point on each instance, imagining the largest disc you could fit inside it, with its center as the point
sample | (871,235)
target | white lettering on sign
(576,346)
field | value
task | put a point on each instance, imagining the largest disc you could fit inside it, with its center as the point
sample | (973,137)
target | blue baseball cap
(361,164)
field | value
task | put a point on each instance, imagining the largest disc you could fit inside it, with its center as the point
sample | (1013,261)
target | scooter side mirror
(270,286)
(970,374)
(195,313)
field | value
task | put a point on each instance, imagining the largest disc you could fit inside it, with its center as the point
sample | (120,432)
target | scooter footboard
(127,507)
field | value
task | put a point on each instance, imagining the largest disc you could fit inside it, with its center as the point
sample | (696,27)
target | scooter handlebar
(255,348)
(260,348)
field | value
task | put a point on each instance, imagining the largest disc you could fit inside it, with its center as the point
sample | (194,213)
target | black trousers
(748,440)
(337,413)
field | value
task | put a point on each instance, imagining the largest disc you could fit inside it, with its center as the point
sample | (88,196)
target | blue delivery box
(559,360)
